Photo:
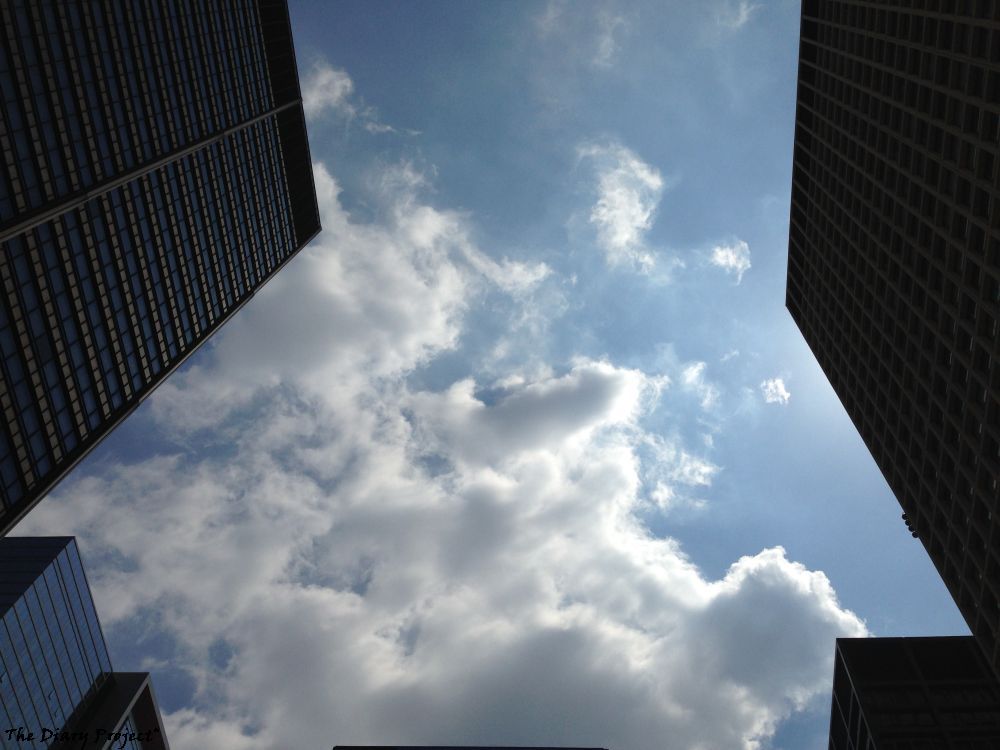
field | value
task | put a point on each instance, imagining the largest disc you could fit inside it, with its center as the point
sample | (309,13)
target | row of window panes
(96,320)
(56,406)
(96,317)
(895,46)
(836,270)
(26,312)
(181,219)
(880,166)
(854,81)
(956,401)
(881,148)
(864,14)
(946,324)
(945,34)
(94,108)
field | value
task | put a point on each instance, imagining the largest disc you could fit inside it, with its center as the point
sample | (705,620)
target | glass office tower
(894,262)
(57,687)
(155,173)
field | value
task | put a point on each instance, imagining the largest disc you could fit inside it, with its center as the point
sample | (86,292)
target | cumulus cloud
(532,415)
(382,563)
(733,259)
(341,333)
(512,598)
(774,391)
(628,191)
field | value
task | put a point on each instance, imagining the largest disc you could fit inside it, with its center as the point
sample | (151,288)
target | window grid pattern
(102,301)
(53,658)
(913,694)
(155,172)
(894,261)
(92,90)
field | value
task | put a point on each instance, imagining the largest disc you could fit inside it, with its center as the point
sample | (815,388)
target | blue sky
(524,448)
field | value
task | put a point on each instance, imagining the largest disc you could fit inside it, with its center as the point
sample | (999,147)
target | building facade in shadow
(913,693)
(894,279)
(155,174)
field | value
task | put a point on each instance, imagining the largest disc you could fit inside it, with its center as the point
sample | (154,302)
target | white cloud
(326,87)
(596,35)
(388,564)
(693,379)
(672,473)
(774,391)
(550,19)
(513,598)
(734,259)
(609,26)
(340,333)
(329,89)
(735,16)
(533,415)
(628,191)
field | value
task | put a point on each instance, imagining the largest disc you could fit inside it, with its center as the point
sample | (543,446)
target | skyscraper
(894,261)
(155,174)
(906,693)
(56,681)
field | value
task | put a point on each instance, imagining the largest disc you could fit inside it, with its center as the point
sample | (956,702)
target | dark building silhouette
(155,174)
(910,693)
(57,688)
(894,261)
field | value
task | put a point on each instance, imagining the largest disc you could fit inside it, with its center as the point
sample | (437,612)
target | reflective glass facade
(155,173)
(52,652)
(57,688)
(894,261)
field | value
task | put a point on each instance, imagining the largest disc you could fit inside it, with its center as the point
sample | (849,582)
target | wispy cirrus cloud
(328,89)
(594,32)
(627,193)
(735,16)
(693,379)
(610,27)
